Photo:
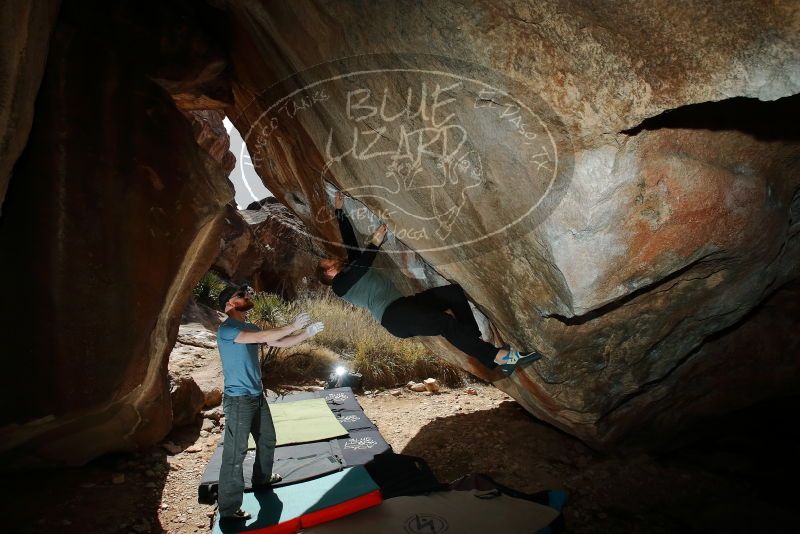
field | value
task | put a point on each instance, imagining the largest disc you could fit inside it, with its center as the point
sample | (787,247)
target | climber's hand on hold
(379,235)
(338,201)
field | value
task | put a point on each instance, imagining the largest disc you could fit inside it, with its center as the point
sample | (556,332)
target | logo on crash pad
(425,524)
(449,154)
(349,419)
(337,397)
(360,443)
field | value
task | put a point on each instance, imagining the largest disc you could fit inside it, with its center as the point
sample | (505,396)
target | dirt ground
(730,482)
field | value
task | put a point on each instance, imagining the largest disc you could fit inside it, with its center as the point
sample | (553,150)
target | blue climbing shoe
(514,358)
(557,499)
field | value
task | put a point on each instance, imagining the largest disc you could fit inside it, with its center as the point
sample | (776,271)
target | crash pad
(306,504)
(302,421)
(464,512)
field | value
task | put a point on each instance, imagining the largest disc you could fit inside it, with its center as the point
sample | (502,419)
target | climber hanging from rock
(439,311)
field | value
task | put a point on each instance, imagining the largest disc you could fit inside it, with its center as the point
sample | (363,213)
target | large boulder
(270,247)
(186,399)
(113,213)
(25,28)
(195,356)
(597,177)
(289,255)
(238,255)
(210,133)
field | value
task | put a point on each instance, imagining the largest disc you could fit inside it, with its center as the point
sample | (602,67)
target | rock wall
(195,369)
(209,131)
(25,28)
(112,215)
(655,236)
(268,247)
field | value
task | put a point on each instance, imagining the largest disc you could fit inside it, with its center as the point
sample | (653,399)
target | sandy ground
(727,484)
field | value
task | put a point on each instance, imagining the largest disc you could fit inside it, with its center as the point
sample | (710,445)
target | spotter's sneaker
(238,515)
(273,479)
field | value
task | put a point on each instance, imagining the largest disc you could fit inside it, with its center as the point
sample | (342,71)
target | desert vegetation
(352,339)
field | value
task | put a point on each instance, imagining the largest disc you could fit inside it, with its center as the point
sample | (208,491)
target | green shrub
(270,311)
(208,289)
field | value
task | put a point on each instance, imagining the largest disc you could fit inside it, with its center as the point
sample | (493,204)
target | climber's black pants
(424,314)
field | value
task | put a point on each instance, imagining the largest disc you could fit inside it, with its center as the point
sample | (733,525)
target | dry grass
(300,364)
(381,358)
(354,339)
(386,360)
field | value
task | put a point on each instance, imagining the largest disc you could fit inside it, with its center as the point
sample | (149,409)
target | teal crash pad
(271,507)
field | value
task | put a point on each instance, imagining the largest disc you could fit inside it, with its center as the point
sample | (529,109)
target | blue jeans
(244,415)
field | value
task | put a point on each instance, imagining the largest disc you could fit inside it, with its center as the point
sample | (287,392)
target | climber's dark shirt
(358,283)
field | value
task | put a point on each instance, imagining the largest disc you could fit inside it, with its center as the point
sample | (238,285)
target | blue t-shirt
(240,365)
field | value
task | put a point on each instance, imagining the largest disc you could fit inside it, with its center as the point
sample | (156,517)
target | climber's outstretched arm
(348,236)
(346,229)
(351,274)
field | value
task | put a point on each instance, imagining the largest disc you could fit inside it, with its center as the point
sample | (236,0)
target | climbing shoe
(514,358)
(557,499)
